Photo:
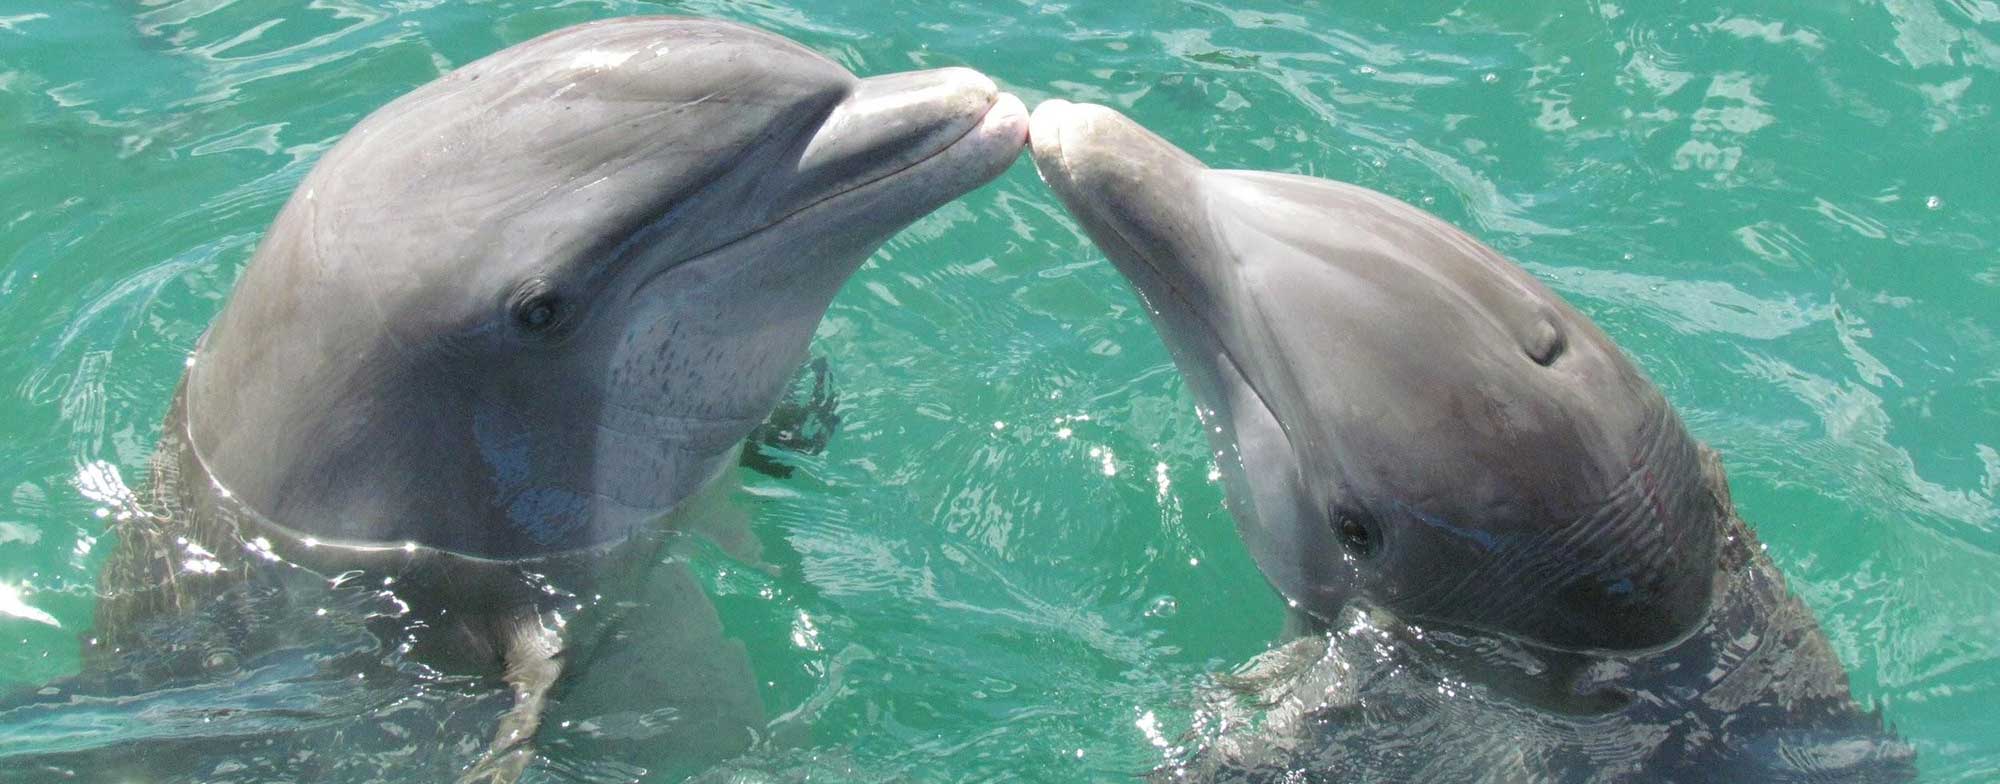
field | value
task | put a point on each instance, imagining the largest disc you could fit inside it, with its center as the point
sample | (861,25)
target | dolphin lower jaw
(978,135)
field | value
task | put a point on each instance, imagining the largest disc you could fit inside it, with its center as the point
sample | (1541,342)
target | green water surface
(1013,561)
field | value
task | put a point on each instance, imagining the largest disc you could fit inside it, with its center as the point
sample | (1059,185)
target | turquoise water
(1011,561)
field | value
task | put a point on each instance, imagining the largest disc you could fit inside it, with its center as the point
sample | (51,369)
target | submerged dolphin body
(1519,564)
(517,322)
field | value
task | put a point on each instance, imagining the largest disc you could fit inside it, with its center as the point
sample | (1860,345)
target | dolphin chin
(1404,418)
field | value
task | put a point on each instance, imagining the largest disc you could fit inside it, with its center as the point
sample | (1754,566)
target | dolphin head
(1403,416)
(533,305)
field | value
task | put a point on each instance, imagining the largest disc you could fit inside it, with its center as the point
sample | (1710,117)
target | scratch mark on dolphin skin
(1486,540)
(701,100)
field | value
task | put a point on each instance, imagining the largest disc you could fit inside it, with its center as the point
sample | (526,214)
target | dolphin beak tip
(1047,119)
(1045,136)
(1009,118)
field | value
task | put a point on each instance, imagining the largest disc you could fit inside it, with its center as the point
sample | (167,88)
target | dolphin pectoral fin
(803,423)
(533,651)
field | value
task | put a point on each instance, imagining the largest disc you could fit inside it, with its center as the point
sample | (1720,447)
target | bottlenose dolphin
(1519,564)
(514,323)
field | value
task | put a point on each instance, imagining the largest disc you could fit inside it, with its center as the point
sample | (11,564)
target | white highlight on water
(12,604)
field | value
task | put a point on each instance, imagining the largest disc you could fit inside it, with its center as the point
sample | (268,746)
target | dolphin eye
(538,314)
(536,308)
(1356,532)
(1547,343)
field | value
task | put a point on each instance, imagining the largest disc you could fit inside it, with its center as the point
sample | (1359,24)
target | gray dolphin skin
(1515,562)
(515,320)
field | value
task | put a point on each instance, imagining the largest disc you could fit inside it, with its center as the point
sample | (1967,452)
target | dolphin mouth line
(699,256)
